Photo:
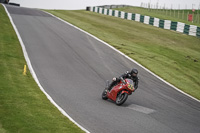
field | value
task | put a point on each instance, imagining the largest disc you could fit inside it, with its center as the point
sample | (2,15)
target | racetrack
(72,67)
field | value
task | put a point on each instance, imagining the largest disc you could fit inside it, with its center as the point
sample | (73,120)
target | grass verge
(173,56)
(23,107)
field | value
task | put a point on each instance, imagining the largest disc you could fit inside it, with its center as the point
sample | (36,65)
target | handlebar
(123,80)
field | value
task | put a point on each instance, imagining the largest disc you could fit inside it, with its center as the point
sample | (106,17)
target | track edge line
(34,74)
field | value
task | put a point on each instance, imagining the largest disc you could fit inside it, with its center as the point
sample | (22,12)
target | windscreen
(130,84)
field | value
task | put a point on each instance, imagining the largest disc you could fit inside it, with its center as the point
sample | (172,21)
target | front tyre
(121,98)
(104,95)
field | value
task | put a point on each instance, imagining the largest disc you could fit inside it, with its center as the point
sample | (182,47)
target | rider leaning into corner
(131,75)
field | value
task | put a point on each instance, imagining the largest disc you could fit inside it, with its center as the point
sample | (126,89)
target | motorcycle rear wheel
(104,95)
(121,98)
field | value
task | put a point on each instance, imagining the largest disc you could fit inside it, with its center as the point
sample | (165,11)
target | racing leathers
(124,76)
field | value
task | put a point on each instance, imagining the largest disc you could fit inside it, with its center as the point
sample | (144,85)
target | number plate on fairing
(130,86)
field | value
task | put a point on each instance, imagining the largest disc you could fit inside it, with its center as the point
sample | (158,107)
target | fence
(165,24)
(176,13)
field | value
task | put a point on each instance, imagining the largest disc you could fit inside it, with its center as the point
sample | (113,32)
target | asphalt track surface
(72,67)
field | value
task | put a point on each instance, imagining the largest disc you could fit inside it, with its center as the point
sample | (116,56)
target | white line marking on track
(126,57)
(34,75)
(140,109)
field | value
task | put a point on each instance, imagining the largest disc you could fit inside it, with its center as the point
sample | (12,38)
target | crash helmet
(134,72)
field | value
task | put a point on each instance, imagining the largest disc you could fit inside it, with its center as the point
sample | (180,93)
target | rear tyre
(104,95)
(121,98)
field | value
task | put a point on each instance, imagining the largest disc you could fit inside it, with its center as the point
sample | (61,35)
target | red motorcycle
(120,92)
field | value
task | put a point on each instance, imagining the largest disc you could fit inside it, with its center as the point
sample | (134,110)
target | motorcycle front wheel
(104,95)
(121,98)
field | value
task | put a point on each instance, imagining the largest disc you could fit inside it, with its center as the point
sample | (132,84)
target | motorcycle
(120,92)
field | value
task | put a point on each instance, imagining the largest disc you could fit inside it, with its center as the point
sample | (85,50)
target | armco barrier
(137,17)
(122,15)
(105,11)
(116,13)
(126,16)
(173,26)
(167,24)
(156,22)
(119,14)
(113,12)
(180,27)
(110,12)
(151,21)
(191,30)
(161,24)
(198,32)
(133,16)
(186,29)
(146,19)
(129,16)
(142,18)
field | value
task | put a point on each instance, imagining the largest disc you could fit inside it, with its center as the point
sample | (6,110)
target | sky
(82,4)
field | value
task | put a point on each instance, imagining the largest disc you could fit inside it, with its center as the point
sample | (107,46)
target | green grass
(23,107)
(173,56)
(173,15)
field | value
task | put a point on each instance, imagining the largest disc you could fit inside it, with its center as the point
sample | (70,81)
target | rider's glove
(114,79)
(122,80)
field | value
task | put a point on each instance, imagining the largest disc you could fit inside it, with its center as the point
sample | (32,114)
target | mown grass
(23,107)
(173,56)
(173,15)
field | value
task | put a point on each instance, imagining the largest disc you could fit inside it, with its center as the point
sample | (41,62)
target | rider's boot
(111,86)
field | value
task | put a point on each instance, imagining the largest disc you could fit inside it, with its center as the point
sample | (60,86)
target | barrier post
(24,73)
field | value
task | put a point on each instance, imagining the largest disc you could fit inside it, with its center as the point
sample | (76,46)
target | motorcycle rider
(131,75)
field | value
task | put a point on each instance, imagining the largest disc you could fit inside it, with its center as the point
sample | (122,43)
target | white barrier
(91,9)
(105,11)
(100,10)
(116,13)
(156,22)
(193,30)
(122,14)
(129,16)
(96,8)
(110,12)
(146,19)
(167,24)
(137,17)
(180,27)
